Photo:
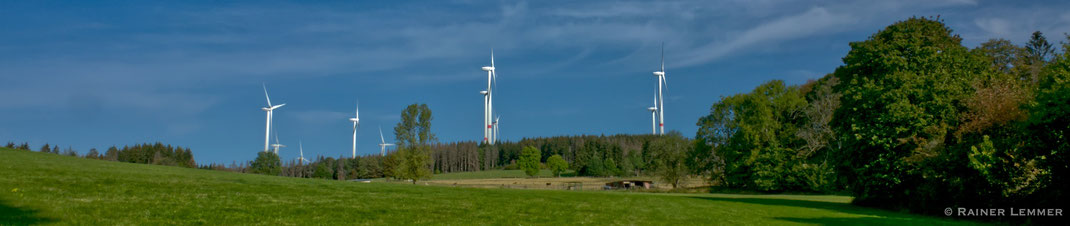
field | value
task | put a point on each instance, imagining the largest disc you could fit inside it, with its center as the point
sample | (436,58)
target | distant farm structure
(628,184)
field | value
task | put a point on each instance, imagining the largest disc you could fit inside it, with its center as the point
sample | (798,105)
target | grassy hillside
(45,188)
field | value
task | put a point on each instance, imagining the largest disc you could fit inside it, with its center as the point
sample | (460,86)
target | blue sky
(100,73)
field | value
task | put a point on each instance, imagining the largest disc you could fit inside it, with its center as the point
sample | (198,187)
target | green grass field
(46,188)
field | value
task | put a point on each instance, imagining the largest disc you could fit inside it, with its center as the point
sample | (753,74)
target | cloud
(994,26)
(814,21)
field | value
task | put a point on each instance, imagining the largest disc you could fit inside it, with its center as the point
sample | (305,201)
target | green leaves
(755,133)
(904,90)
(557,165)
(266,163)
(413,136)
(529,160)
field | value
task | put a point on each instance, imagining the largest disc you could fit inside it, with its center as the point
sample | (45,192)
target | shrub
(557,165)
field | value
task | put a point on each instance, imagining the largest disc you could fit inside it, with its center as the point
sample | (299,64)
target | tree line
(147,153)
(419,155)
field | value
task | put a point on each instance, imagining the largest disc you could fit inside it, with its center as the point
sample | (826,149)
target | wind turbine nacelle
(484,92)
(488,68)
(652,108)
(266,109)
(659,73)
(354,120)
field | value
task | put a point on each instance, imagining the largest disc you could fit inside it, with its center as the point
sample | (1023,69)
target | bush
(266,163)
(529,160)
(557,165)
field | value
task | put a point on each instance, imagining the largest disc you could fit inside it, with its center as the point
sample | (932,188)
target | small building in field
(629,184)
(572,185)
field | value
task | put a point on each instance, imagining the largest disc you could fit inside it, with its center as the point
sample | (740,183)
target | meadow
(39,188)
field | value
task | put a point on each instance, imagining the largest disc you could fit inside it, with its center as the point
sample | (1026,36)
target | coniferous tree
(1038,50)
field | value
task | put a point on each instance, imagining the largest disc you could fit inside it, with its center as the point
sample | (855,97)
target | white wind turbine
(488,101)
(269,109)
(486,95)
(302,148)
(382,144)
(654,116)
(277,145)
(496,128)
(356,125)
(660,101)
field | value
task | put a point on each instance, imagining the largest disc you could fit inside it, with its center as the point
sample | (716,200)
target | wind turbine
(356,125)
(302,148)
(488,101)
(661,99)
(277,145)
(269,109)
(486,134)
(654,116)
(496,128)
(382,144)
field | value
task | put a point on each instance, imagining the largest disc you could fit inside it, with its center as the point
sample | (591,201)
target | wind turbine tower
(269,109)
(488,101)
(356,125)
(661,99)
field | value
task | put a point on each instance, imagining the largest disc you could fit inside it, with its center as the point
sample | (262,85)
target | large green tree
(414,137)
(754,134)
(903,91)
(529,161)
(670,154)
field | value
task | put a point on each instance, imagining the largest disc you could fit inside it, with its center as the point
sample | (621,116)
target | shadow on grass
(867,216)
(10,215)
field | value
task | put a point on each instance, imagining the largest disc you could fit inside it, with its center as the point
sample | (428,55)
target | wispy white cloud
(994,26)
(814,21)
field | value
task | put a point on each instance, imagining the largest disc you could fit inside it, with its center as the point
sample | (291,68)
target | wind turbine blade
(491,57)
(655,98)
(277,138)
(665,81)
(662,57)
(381,138)
(266,94)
